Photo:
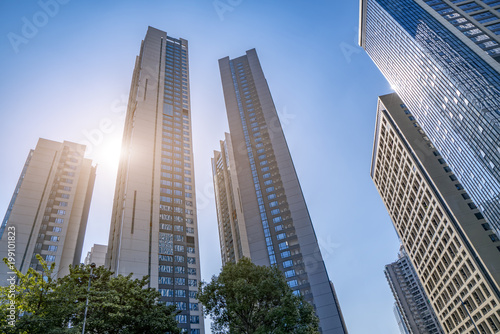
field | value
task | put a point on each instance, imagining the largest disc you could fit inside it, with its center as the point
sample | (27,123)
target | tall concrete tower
(261,210)
(153,226)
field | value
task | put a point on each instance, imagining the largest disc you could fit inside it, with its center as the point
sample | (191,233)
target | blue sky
(70,74)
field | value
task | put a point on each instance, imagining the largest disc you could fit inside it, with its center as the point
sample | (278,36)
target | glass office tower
(261,210)
(153,227)
(442,58)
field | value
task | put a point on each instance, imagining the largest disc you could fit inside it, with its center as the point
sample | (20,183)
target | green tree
(250,299)
(116,304)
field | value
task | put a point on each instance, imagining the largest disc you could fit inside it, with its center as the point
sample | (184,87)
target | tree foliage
(117,304)
(250,299)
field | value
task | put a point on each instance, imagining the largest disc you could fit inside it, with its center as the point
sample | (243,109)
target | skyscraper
(453,249)
(48,212)
(96,255)
(415,314)
(442,58)
(261,210)
(153,225)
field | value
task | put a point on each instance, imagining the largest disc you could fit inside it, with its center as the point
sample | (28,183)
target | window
(194,319)
(166,292)
(277,219)
(180,270)
(167,227)
(165,280)
(283,245)
(165,269)
(191,271)
(165,217)
(191,260)
(290,273)
(270,189)
(181,318)
(193,294)
(166,258)
(166,199)
(52,248)
(50,258)
(179,258)
(56,229)
(181,305)
(61,212)
(59,221)
(273,204)
(275,211)
(486,226)
(180,293)
(193,307)
(54,238)
(190,250)
(293,283)
(285,254)
(180,281)
(193,282)
(281,236)
(287,264)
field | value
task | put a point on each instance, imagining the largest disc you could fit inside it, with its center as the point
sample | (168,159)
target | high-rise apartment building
(453,249)
(261,210)
(153,226)
(442,58)
(412,309)
(48,212)
(96,255)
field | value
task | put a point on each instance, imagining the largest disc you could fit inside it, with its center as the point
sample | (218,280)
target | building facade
(48,212)
(452,248)
(442,58)
(97,255)
(261,210)
(412,309)
(153,225)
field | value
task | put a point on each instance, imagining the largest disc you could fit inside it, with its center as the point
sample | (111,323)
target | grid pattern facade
(227,213)
(282,244)
(277,226)
(450,83)
(478,20)
(154,227)
(452,248)
(49,208)
(415,314)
